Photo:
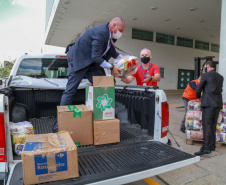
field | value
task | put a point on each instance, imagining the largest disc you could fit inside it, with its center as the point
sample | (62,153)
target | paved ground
(209,171)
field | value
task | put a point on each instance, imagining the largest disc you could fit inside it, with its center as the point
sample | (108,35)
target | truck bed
(136,157)
(128,133)
(136,152)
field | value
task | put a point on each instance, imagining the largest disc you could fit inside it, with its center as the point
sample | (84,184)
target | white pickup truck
(34,90)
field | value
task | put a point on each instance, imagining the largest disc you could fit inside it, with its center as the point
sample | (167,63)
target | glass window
(44,67)
(162,38)
(142,35)
(215,48)
(184,42)
(202,45)
(162,72)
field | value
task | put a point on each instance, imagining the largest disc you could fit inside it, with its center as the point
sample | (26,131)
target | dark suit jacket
(211,84)
(90,47)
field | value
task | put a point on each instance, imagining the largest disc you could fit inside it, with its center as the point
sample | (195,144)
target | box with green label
(77,120)
(101,97)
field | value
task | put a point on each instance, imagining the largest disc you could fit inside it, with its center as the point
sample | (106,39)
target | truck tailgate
(122,164)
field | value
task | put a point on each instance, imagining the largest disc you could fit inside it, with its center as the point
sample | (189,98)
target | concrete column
(222,56)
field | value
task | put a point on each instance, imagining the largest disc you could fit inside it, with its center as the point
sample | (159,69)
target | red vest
(190,93)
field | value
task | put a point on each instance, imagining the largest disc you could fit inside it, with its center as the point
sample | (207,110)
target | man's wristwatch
(151,78)
(112,67)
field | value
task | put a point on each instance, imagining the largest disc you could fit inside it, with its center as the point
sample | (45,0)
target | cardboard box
(101,97)
(49,157)
(106,131)
(78,120)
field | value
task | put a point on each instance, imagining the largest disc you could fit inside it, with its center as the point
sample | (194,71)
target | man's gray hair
(146,49)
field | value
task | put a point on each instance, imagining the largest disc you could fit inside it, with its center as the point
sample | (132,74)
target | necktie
(113,44)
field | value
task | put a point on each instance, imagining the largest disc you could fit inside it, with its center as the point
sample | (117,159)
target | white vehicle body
(26,82)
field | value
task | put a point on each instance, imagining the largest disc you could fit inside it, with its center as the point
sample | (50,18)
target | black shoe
(182,129)
(202,152)
(212,148)
(55,127)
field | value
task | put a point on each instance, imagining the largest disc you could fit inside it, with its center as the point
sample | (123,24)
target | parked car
(36,84)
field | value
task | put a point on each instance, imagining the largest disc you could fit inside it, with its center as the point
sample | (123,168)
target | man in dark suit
(87,55)
(211,84)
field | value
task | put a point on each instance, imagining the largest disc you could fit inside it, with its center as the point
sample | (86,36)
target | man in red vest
(189,94)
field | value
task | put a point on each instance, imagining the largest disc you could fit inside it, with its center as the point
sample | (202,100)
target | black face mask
(145,60)
(205,69)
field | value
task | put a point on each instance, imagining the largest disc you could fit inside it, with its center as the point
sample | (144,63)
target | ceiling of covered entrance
(194,19)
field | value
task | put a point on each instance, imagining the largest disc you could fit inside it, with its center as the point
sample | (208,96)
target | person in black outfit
(211,84)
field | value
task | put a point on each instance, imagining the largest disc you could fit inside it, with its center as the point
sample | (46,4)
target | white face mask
(117,35)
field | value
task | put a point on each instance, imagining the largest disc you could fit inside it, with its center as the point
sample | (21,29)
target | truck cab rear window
(44,68)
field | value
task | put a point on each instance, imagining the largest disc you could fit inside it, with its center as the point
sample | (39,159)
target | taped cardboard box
(106,131)
(49,157)
(78,120)
(101,97)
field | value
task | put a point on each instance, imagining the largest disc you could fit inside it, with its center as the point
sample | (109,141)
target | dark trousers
(74,79)
(209,121)
(186,109)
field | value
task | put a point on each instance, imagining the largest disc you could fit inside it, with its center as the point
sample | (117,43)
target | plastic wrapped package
(188,133)
(128,64)
(223,137)
(196,135)
(220,117)
(22,127)
(194,105)
(199,135)
(189,124)
(223,127)
(217,136)
(194,115)
(197,124)
(18,148)
(19,132)
(193,134)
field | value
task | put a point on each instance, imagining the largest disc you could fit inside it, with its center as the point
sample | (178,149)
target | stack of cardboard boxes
(93,123)
(51,157)
(101,99)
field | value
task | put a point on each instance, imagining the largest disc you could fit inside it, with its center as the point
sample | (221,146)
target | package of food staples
(194,115)
(220,117)
(128,64)
(19,132)
(194,105)
(189,124)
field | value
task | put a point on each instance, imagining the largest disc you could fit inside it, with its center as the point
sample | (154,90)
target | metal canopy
(192,19)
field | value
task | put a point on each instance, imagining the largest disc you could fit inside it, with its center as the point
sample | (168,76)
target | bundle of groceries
(194,120)
(221,125)
(19,132)
(128,64)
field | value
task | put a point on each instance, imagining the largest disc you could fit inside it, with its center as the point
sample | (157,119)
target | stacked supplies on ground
(19,132)
(194,120)
(221,125)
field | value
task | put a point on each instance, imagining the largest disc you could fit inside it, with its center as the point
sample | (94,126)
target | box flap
(103,81)
(52,141)
(68,108)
